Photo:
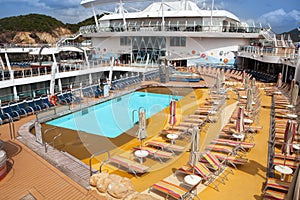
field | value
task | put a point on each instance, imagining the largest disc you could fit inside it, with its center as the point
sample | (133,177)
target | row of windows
(174,41)
(177,41)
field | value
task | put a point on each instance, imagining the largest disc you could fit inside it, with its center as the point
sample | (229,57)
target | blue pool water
(114,117)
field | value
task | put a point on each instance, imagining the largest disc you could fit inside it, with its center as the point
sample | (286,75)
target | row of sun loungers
(127,164)
(128,81)
(282,110)
(229,149)
(156,149)
(212,165)
(15,110)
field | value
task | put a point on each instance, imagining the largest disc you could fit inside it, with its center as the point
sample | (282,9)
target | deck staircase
(268,35)
(68,37)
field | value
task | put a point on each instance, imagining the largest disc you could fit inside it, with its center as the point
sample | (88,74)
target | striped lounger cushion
(277,184)
(275,195)
(165,145)
(170,189)
(137,167)
(155,152)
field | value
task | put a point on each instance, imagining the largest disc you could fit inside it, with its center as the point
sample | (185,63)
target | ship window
(125,41)
(178,41)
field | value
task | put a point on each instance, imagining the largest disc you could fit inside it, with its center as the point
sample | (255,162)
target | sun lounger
(205,111)
(244,145)
(220,148)
(202,170)
(156,153)
(132,166)
(188,124)
(277,184)
(170,189)
(180,128)
(289,157)
(165,146)
(215,163)
(290,163)
(194,120)
(231,159)
(198,116)
(274,195)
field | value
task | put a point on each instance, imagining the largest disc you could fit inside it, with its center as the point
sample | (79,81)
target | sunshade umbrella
(249,99)
(290,130)
(244,77)
(194,154)
(294,189)
(240,126)
(292,87)
(253,85)
(218,82)
(279,80)
(222,76)
(172,120)
(294,95)
(142,133)
(247,80)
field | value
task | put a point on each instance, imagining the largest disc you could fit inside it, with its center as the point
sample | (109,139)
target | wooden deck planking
(69,165)
(32,174)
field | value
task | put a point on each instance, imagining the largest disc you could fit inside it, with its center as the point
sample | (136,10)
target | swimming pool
(185,77)
(113,117)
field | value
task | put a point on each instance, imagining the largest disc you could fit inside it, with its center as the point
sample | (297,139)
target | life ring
(225,60)
(203,55)
(53,99)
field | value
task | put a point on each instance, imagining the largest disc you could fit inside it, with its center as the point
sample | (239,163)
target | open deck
(62,177)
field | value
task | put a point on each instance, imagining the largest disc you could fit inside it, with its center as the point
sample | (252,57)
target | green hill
(38,23)
(31,23)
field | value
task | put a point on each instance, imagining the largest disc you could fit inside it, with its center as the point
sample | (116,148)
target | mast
(95,17)
(162,16)
(121,10)
(211,14)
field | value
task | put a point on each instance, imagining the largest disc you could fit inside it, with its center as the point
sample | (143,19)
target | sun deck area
(36,171)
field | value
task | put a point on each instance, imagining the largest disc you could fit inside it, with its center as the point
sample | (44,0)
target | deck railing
(146,27)
(270,171)
(268,51)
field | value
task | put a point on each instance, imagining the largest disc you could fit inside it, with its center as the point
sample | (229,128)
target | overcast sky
(282,15)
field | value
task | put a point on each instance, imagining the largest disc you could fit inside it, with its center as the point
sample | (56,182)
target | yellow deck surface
(28,173)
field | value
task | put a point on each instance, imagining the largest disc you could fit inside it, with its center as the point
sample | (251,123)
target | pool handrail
(93,155)
(54,138)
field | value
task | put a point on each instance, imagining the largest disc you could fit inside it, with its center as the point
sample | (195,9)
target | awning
(91,3)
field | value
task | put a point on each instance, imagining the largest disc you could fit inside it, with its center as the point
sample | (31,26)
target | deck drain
(28,197)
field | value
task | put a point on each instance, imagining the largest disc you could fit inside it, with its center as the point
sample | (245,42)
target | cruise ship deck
(31,177)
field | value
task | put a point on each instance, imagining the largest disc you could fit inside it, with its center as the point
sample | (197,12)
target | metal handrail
(91,158)
(54,138)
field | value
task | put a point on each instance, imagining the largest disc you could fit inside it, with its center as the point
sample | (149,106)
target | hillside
(295,34)
(36,28)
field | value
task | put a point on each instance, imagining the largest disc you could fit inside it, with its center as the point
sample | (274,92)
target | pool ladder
(140,109)
(54,138)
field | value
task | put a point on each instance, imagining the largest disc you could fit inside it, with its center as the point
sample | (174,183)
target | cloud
(280,20)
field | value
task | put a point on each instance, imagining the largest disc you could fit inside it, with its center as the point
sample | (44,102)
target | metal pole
(10,131)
